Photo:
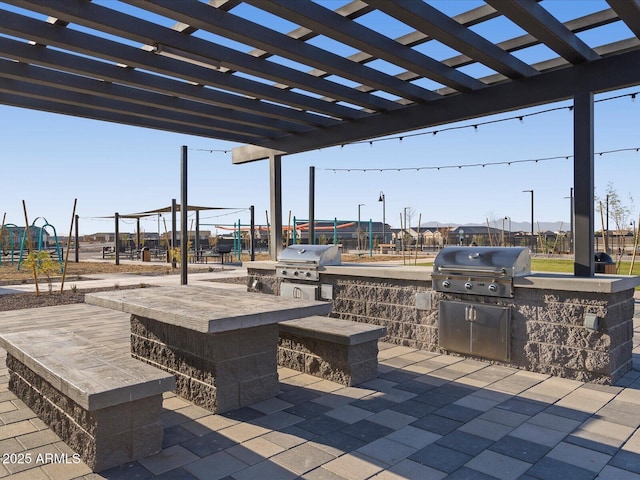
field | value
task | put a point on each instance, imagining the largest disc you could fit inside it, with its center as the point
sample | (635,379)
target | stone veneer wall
(104,438)
(547,332)
(219,372)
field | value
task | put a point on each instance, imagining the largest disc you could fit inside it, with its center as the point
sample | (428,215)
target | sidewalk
(214,278)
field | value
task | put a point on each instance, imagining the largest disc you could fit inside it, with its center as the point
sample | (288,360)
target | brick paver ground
(425,416)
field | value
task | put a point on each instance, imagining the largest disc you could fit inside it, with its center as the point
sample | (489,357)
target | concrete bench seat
(342,351)
(104,405)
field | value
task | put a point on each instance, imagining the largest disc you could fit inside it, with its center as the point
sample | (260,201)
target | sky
(48,160)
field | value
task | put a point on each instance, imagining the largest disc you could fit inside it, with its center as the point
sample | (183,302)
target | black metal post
(252,234)
(583,178)
(312,208)
(174,233)
(184,213)
(117,239)
(77,240)
(532,244)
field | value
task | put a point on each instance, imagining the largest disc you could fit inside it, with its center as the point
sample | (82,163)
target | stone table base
(217,371)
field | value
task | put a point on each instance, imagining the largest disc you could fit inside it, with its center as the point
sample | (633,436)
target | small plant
(116,286)
(74,288)
(42,262)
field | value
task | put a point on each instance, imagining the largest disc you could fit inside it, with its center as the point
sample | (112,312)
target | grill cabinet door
(475,329)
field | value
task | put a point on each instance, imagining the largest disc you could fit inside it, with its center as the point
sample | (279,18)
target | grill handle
(472,270)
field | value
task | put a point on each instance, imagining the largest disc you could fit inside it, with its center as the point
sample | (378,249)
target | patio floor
(426,416)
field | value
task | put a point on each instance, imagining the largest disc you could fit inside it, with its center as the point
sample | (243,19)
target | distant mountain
(515,226)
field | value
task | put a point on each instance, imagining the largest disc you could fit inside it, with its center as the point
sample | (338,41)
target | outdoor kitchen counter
(220,344)
(600,283)
(572,327)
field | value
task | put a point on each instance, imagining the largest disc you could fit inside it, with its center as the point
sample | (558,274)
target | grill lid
(489,261)
(317,255)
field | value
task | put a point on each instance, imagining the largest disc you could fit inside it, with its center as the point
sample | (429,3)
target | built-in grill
(299,267)
(480,270)
(477,328)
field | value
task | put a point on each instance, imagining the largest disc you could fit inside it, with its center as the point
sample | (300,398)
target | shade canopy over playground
(234,70)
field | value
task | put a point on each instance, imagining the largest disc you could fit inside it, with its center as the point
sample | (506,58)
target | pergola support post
(583,178)
(275,182)
(184,213)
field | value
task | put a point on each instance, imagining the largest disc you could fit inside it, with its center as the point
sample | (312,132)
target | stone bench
(104,405)
(342,351)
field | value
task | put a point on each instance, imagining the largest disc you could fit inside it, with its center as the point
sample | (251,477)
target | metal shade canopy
(166,65)
(229,70)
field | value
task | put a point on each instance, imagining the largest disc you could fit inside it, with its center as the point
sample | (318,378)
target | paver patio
(425,416)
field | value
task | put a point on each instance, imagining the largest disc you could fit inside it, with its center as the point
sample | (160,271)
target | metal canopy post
(117,239)
(583,178)
(275,178)
(174,234)
(312,207)
(184,212)
(252,234)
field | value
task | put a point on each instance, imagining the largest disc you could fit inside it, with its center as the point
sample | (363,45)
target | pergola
(214,69)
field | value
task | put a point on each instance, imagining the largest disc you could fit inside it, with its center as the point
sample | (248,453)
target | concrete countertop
(91,375)
(600,283)
(208,310)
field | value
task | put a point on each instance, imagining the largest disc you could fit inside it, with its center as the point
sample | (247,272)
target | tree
(41,261)
(618,211)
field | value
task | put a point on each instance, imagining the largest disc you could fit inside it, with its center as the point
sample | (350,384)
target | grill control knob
(284,272)
(308,274)
(468,285)
(493,287)
(296,273)
(446,284)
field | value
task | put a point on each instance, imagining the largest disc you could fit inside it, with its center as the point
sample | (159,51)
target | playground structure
(15,244)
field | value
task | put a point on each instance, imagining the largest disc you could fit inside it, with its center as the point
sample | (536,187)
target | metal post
(384,220)
(184,213)
(359,205)
(607,247)
(196,243)
(275,174)
(138,234)
(312,193)
(77,240)
(117,217)
(405,229)
(174,234)
(583,179)
(532,236)
(252,234)
(239,251)
(370,238)
(571,214)
(335,230)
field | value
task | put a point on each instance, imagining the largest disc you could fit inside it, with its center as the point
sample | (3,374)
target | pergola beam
(533,18)
(83,43)
(213,20)
(333,25)
(629,12)
(606,74)
(439,26)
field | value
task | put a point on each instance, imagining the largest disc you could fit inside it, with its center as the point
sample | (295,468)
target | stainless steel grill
(477,328)
(480,270)
(302,262)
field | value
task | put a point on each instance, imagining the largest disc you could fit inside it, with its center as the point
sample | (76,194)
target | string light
(209,150)
(485,164)
(475,126)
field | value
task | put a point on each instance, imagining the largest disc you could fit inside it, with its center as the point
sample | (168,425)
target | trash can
(604,263)
(145,254)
